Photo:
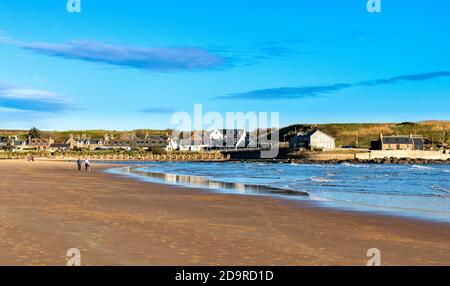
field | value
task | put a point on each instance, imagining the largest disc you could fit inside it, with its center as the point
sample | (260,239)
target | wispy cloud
(156,59)
(321,90)
(411,77)
(287,92)
(14,98)
(158,110)
(164,59)
(260,51)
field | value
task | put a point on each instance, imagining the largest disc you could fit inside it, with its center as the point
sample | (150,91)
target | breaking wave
(322,180)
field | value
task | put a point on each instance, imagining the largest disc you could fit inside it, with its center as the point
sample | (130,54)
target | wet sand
(49,207)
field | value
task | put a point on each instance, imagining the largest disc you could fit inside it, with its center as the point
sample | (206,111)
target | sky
(132,64)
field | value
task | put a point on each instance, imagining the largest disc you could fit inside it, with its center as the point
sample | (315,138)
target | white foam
(316,198)
(321,180)
(355,165)
(441,189)
(421,167)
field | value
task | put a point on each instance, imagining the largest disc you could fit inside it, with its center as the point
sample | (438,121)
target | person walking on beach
(79,164)
(87,165)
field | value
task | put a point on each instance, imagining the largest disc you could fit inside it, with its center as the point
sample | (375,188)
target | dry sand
(48,207)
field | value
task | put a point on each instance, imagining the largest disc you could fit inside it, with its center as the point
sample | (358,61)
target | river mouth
(202,182)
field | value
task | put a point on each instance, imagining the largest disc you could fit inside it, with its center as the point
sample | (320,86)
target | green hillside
(361,134)
(346,134)
(60,136)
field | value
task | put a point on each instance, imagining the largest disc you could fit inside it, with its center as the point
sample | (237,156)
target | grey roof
(310,133)
(225,132)
(155,137)
(402,139)
(94,140)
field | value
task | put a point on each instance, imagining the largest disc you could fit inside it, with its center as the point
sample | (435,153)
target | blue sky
(131,64)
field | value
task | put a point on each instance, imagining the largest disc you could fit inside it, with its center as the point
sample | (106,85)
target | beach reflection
(202,182)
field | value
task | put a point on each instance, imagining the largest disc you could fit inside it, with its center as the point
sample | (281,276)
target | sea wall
(327,156)
(369,156)
(203,156)
(399,154)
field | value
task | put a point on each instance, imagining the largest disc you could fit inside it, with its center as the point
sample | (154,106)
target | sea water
(420,191)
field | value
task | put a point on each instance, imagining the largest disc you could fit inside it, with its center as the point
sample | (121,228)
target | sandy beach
(49,207)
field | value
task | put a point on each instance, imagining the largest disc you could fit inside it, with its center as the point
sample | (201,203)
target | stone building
(39,144)
(129,141)
(84,142)
(315,139)
(398,142)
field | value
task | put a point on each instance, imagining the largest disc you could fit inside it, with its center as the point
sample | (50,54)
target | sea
(416,191)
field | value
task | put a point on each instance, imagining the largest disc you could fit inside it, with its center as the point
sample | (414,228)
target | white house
(190,145)
(216,134)
(314,139)
(225,138)
(172,144)
(213,139)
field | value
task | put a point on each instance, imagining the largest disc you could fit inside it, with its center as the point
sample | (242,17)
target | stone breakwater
(372,161)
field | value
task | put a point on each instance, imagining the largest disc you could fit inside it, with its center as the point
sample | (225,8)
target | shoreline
(220,157)
(117,220)
(270,192)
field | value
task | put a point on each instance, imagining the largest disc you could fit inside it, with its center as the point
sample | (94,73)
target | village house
(172,145)
(225,138)
(190,142)
(129,141)
(191,145)
(18,144)
(39,144)
(399,142)
(59,147)
(151,141)
(217,139)
(12,143)
(314,139)
(84,142)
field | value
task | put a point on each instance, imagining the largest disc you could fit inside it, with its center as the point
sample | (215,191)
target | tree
(445,136)
(406,128)
(34,133)
(8,146)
